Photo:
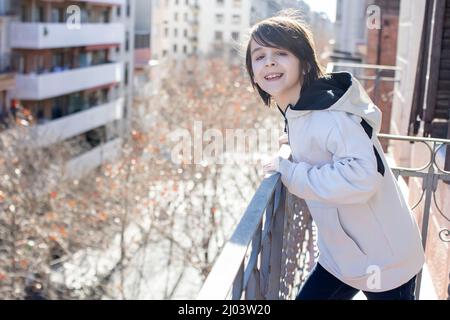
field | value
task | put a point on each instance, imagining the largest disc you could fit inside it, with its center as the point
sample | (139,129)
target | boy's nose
(270,62)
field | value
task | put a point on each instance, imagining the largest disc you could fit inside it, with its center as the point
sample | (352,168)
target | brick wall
(415,155)
(382,50)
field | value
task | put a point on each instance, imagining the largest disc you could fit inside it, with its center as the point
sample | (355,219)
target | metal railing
(370,75)
(273,248)
(430,174)
(260,261)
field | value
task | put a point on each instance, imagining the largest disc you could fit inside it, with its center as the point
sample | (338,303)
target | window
(166,32)
(236,19)
(218,36)
(219,18)
(237,3)
(40,113)
(185,17)
(57,108)
(220,2)
(57,61)
(41,14)
(235,36)
(175,17)
(339,10)
(75,103)
(82,60)
(105,95)
(84,16)
(164,53)
(24,16)
(184,49)
(185,33)
(175,32)
(177,2)
(105,16)
(175,48)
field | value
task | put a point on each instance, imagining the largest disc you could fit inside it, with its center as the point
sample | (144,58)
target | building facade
(74,65)
(182,28)
(350,28)
(8,13)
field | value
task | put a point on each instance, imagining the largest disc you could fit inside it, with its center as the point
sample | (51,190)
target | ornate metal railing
(430,174)
(273,247)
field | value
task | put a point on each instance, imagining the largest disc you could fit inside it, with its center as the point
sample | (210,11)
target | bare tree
(92,237)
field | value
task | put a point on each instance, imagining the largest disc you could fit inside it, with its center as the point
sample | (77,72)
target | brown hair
(285,31)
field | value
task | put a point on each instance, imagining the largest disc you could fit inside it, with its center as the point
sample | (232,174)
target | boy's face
(276,71)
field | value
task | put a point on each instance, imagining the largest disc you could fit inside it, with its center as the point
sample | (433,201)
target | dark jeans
(322,285)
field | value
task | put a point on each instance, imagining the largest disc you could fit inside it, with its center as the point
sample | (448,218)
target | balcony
(75,124)
(195,8)
(9,8)
(57,35)
(7,76)
(272,249)
(193,39)
(44,86)
(81,165)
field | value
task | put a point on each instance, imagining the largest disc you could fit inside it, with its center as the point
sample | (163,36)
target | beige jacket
(367,235)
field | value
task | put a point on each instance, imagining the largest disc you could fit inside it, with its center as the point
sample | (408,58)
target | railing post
(429,184)
(238,283)
(267,242)
(276,248)
(252,288)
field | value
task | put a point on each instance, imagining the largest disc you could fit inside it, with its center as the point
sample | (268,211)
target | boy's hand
(283,140)
(272,165)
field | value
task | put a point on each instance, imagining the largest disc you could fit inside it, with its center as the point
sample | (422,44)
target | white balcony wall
(49,85)
(81,165)
(58,35)
(72,125)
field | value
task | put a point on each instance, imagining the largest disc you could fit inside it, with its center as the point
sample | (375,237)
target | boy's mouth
(273,76)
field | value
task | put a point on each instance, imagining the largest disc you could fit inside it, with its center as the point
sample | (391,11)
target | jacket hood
(339,91)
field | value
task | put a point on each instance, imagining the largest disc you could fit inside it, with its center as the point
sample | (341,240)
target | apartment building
(142,23)
(74,65)
(262,9)
(350,29)
(8,11)
(181,28)
(142,50)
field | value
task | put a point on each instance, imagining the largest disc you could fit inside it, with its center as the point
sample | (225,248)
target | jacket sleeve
(351,177)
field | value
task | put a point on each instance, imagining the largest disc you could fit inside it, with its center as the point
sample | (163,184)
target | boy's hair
(286,31)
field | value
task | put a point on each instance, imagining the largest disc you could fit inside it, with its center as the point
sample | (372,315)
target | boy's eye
(280,53)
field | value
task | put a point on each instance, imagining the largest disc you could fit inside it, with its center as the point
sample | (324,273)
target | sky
(327,6)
